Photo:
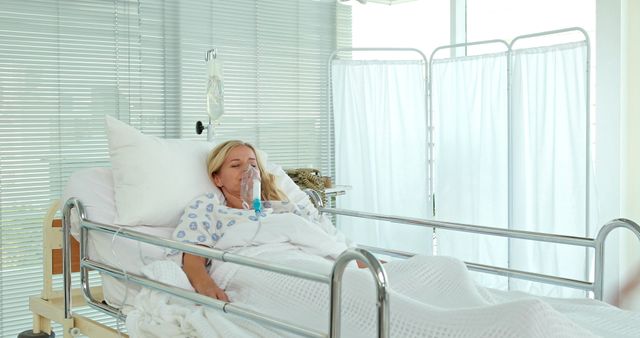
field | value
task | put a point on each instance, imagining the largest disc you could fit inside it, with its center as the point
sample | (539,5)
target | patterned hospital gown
(205,220)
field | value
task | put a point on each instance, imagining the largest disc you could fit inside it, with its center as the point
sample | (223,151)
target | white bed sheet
(429,296)
(127,255)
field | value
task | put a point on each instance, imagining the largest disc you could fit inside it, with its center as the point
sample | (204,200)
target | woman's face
(229,176)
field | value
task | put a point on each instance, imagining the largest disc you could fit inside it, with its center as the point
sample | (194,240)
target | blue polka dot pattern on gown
(205,220)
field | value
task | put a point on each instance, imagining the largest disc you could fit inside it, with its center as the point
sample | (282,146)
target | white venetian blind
(58,75)
(65,64)
(274,54)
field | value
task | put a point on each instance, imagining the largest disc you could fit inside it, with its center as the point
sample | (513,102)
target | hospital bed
(63,254)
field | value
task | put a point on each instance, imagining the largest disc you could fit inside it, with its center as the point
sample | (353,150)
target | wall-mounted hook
(211,54)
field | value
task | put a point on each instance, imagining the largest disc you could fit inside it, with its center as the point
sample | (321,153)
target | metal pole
(529,235)
(468,44)
(380,276)
(494,270)
(510,194)
(600,241)
(556,31)
(331,132)
(588,146)
(66,250)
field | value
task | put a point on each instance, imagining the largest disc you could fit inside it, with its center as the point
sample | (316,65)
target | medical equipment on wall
(214,93)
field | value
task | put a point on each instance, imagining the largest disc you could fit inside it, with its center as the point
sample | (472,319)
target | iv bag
(215,89)
(250,188)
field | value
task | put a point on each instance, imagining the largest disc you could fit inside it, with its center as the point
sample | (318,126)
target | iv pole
(214,94)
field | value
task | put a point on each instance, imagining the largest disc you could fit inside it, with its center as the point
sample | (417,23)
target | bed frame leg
(31,334)
(41,326)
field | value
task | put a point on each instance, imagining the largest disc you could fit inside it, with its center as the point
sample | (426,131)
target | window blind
(65,64)
(274,56)
(57,74)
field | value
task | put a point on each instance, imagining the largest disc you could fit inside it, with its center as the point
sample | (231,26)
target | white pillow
(154,178)
(94,188)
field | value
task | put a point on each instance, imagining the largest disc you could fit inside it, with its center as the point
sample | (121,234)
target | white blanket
(430,296)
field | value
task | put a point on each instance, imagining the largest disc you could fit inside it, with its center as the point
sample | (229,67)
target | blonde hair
(270,191)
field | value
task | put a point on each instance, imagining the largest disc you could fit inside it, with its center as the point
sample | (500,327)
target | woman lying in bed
(429,296)
(207,218)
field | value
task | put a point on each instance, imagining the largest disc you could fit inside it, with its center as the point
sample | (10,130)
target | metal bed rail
(334,280)
(597,243)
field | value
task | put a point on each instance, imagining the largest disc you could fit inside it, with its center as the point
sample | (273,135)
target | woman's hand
(214,291)
(194,267)
(363,265)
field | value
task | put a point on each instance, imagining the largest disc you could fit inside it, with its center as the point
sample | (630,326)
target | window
(66,64)
(504,19)
(418,24)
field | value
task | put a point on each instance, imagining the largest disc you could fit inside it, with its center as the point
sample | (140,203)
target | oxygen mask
(250,189)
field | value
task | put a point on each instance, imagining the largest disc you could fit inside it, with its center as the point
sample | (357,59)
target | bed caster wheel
(31,334)
(75,332)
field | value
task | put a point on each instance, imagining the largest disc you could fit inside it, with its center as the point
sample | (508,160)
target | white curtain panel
(469,106)
(380,147)
(549,160)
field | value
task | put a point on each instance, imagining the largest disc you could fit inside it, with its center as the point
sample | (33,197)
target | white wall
(607,154)
(617,162)
(630,139)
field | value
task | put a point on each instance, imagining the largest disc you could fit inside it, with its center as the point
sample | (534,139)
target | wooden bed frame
(49,305)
